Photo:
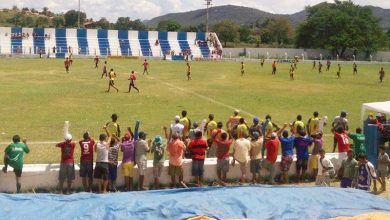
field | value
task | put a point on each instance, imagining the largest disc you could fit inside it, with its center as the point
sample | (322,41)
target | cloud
(147,9)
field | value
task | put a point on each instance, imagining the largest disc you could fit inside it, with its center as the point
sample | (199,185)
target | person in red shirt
(274,68)
(272,147)
(146,67)
(96,61)
(86,161)
(341,140)
(104,70)
(67,64)
(223,148)
(198,148)
(132,78)
(67,163)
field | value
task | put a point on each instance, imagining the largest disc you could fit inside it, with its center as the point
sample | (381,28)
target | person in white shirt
(101,168)
(176,128)
(324,166)
(241,148)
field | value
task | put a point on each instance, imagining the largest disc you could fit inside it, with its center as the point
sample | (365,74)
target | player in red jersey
(341,140)
(146,67)
(86,161)
(132,79)
(104,70)
(96,60)
(67,64)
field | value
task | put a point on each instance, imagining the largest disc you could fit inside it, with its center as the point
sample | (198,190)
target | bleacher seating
(91,42)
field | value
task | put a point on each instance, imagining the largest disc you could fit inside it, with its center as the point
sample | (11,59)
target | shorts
(101,170)
(86,169)
(286,162)
(18,172)
(157,169)
(127,169)
(111,82)
(345,182)
(301,164)
(381,173)
(188,73)
(313,161)
(66,172)
(175,170)
(112,171)
(255,165)
(223,165)
(142,165)
(197,167)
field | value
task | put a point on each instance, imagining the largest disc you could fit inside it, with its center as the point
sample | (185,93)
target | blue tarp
(256,202)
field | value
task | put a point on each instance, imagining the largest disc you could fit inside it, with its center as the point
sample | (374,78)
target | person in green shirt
(158,150)
(359,141)
(13,157)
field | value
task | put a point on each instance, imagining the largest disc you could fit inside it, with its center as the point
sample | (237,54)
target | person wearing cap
(255,156)
(255,127)
(272,147)
(175,149)
(359,141)
(198,149)
(313,124)
(301,144)
(86,161)
(287,145)
(233,122)
(340,121)
(13,156)
(113,127)
(184,120)
(158,150)
(142,147)
(176,127)
(210,126)
(241,148)
(67,171)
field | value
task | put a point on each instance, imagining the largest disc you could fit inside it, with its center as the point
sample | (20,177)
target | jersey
(112,75)
(313,126)
(211,125)
(86,150)
(113,128)
(342,141)
(359,142)
(187,124)
(15,153)
(145,64)
(96,60)
(233,121)
(67,152)
(66,63)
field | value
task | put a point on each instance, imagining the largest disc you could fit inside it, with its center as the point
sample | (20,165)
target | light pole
(208,4)
(78,17)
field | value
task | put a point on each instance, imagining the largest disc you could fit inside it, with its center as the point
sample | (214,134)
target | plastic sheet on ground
(255,202)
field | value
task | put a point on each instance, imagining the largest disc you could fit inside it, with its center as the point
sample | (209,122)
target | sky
(148,9)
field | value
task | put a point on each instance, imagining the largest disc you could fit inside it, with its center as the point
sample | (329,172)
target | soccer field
(37,96)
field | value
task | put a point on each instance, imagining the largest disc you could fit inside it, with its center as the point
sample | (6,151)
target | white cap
(68,137)
(274,134)
(177,118)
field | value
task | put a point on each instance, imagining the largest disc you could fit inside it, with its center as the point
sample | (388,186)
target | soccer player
(242,68)
(67,64)
(71,58)
(96,61)
(86,161)
(132,78)
(198,148)
(341,140)
(142,147)
(188,71)
(359,141)
(262,62)
(274,68)
(13,156)
(319,67)
(146,67)
(313,124)
(67,163)
(354,68)
(328,65)
(314,65)
(381,75)
(297,124)
(104,70)
(111,83)
(292,70)
(339,71)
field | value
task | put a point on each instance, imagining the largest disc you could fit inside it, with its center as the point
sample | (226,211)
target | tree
(245,33)
(123,23)
(33,10)
(42,22)
(190,29)
(168,26)
(138,25)
(16,19)
(72,16)
(58,21)
(27,21)
(103,23)
(340,26)
(227,31)
(45,10)
(277,29)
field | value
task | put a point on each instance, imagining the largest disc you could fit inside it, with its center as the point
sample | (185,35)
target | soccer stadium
(200,109)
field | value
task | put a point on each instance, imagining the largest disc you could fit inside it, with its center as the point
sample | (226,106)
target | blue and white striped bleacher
(91,42)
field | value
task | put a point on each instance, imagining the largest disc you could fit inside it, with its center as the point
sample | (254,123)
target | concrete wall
(46,175)
(280,53)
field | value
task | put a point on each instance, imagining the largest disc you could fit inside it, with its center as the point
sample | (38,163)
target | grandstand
(92,42)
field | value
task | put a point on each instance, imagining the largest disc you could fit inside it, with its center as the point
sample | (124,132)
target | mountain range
(245,15)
